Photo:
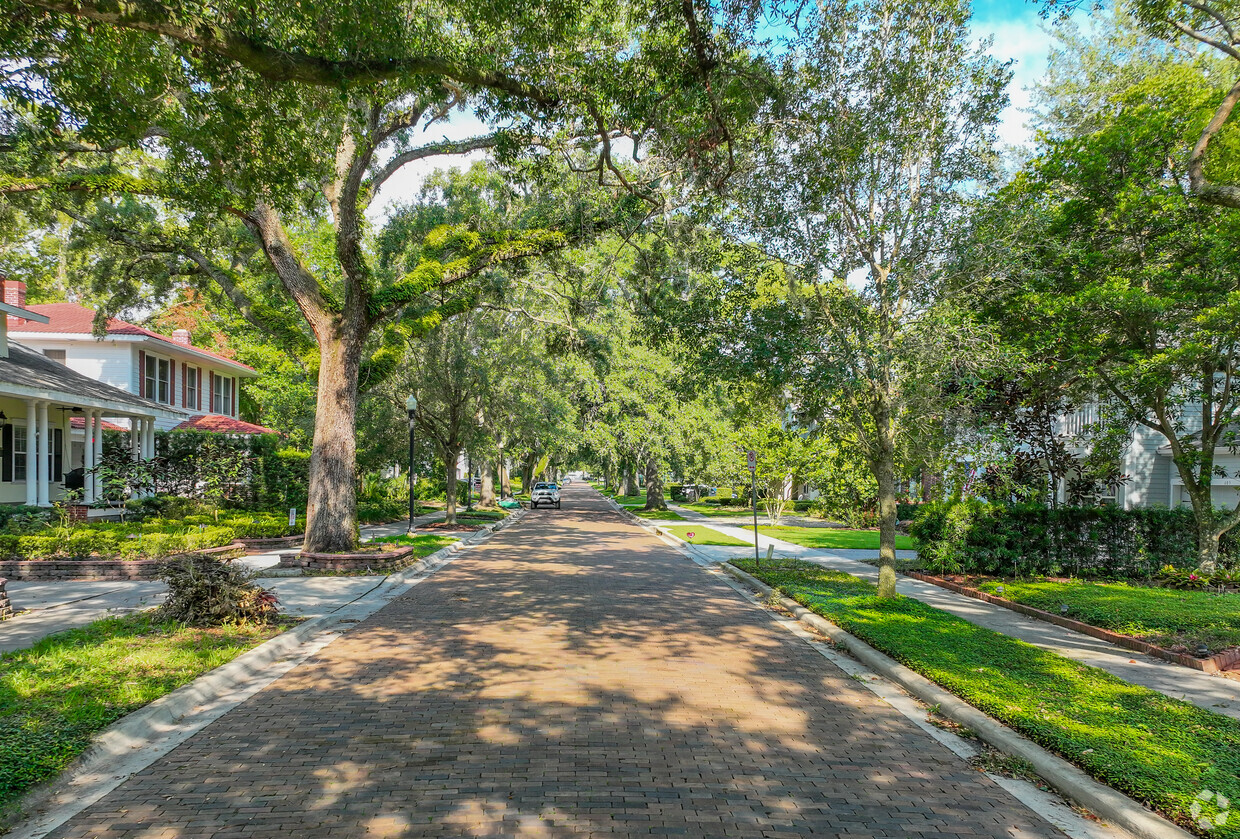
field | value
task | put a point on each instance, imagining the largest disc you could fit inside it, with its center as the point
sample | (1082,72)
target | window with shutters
(223,395)
(19,452)
(157,386)
(191,388)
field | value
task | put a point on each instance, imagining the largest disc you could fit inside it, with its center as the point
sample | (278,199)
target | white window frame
(223,394)
(21,438)
(160,382)
(192,395)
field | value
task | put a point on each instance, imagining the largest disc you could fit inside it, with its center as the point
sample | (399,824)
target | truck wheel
(533,505)
(557,505)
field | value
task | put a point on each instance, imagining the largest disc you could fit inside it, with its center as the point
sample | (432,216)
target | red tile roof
(72,319)
(80,422)
(222,425)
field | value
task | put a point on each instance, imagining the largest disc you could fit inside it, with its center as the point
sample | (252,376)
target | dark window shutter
(184,386)
(232,410)
(6,459)
(212,392)
(200,382)
(142,373)
(58,454)
(172,383)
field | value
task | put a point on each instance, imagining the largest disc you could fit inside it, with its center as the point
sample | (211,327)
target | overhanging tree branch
(282,65)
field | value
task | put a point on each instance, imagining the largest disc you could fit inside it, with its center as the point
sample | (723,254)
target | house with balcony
(1151,478)
(194,388)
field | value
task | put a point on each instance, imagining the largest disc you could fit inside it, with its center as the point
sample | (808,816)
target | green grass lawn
(59,693)
(831,537)
(423,544)
(628,500)
(656,515)
(1161,616)
(704,536)
(1157,749)
(482,515)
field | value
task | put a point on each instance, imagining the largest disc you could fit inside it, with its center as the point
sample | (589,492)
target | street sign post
(752,457)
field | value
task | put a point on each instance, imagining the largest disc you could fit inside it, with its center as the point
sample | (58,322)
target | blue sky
(1019,34)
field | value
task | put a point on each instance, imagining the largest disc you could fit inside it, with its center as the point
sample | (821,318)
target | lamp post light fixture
(411,408)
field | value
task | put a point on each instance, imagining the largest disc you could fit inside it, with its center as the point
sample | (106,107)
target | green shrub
(1095,542)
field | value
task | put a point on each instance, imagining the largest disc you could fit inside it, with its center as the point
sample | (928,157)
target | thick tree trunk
(331,511)
(527,474)
(486,495)
(505,479)
(654,486)
(450,458)
(628,485)
(1208,534)
(884,468)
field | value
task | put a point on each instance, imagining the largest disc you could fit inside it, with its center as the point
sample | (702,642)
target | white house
(193,387)
(40,400)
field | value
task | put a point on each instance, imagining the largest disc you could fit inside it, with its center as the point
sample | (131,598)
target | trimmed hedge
(972,536)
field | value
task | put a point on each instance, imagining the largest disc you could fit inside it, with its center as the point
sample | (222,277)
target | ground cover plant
(424,545)
(59,693)
(1179,620)
(704,535)
(656,515)
(147,538)
(1158,750)
(715,511)
(832,537)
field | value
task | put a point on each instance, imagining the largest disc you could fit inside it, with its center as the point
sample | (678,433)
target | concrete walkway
(570,676)
(48,607)
(1214,693)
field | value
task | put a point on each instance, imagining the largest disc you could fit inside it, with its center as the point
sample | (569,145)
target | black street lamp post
(411,407)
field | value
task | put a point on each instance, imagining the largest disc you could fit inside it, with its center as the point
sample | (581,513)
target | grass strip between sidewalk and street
(1158,750)
(1163,616)
(832,537)
(704,536)
(58,694)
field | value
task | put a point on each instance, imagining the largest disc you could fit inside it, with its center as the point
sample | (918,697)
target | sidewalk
(55,606)
(1214,693)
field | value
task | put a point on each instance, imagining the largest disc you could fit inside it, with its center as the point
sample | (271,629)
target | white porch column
(88,456)
(32,460)
(150,439)
(98,437)
(135,438)
(44,457)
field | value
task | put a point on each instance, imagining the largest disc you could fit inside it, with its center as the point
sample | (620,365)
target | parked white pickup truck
(545,493)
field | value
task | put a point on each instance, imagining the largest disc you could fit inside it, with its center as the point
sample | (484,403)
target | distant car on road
(545,493)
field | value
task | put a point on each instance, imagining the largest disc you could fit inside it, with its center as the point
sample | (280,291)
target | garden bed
(1159,750)
(101,568)
(1164,623)
(375,558)
(66,688)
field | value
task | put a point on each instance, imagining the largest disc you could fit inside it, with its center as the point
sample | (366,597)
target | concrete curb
(1108,803)
(138,739)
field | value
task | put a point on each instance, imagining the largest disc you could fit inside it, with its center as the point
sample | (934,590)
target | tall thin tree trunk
(884,468)
(527,474)
(505,478)
(331,510)
(1208,535)
(654,485)
(450,458)
(486,495)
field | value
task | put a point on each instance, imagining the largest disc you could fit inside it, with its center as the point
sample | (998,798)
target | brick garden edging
(385,561)
(6,608)
(1214,664)
(103,569)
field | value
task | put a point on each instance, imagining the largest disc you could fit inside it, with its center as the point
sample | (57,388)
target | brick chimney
(181,336)
(14,295)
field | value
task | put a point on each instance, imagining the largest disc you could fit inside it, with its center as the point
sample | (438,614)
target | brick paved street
(573,676)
